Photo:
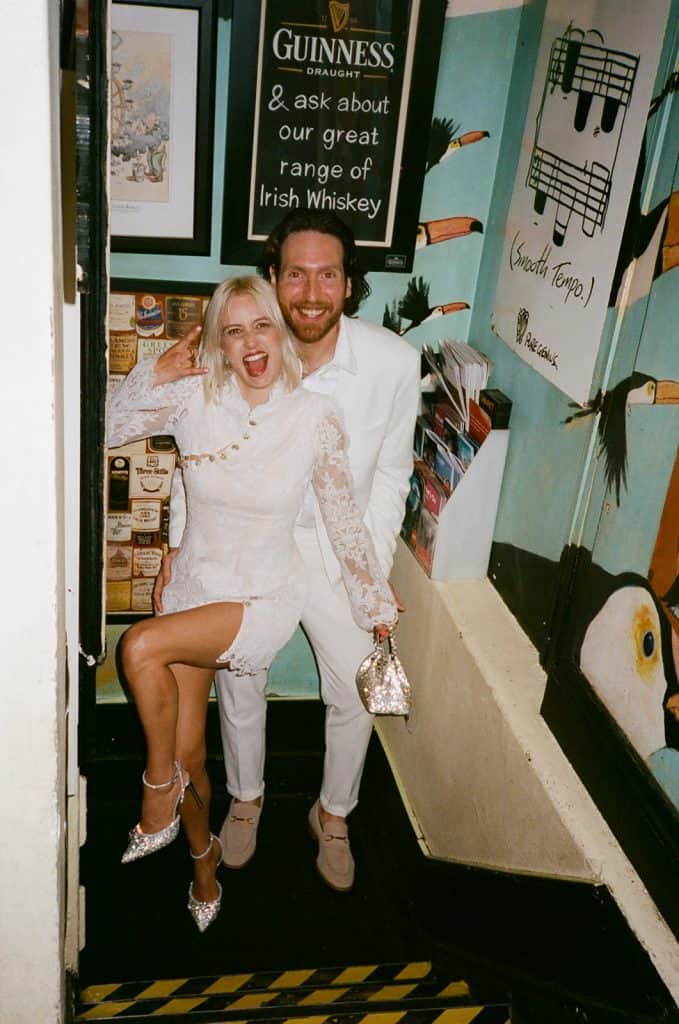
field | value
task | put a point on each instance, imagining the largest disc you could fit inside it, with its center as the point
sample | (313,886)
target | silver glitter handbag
(381,679)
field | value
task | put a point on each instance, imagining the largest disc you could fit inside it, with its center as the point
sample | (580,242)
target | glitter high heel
(141,844)
(204,912)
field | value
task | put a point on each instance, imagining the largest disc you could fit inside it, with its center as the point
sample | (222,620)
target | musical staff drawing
(586,71)
(581,190)
(592,71)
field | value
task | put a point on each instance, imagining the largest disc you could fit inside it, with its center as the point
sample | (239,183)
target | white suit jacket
(379,404)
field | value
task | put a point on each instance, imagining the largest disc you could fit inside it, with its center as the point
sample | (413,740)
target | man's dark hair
(327,223)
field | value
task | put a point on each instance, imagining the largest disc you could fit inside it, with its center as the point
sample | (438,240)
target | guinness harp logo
(521,325)
(339,15)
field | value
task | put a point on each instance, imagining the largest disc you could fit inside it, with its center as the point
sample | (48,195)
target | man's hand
(162,580)
(180,360)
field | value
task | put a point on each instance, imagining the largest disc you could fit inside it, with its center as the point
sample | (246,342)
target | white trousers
(339,646)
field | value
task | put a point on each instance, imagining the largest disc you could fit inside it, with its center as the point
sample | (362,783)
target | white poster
(590,100)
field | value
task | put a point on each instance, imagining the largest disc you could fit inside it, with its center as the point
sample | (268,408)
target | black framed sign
(329,108)
(162,113)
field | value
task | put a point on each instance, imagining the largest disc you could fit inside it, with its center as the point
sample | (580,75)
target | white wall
(31,598)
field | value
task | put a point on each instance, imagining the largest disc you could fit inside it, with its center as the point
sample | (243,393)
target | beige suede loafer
(239,833)
(334,862)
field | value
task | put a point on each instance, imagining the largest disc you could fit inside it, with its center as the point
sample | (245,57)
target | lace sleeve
(139,408)
(369,594)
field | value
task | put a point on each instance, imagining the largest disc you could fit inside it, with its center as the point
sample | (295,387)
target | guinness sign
(331,123)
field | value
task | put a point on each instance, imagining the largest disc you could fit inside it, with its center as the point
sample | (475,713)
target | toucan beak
(432,231)
(667,392)
(464,140)
(454,307)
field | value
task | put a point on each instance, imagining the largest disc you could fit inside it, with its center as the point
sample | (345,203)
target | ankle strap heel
(141,844)
(199,856)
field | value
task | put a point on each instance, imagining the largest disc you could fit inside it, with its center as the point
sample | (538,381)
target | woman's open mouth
(255,364)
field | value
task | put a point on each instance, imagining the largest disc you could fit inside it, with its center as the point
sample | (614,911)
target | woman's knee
(136,647)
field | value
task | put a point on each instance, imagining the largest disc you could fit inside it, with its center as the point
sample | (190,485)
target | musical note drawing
(581,76)
(582,190)
(592,71)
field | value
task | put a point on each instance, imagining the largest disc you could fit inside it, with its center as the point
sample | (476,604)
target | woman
(250,442)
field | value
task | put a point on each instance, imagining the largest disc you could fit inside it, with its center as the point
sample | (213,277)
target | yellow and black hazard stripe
(410,993)
(176,1011)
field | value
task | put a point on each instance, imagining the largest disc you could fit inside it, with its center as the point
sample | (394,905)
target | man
(311,259)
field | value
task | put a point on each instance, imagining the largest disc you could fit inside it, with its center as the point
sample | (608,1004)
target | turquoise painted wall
(547,461)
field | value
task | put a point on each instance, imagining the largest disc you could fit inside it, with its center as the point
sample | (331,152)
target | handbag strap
(390,641)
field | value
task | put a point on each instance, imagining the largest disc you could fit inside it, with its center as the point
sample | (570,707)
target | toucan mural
(620,638)
(624,648)
(444,140)
(414,306)
(430,232)
(644,234)
(614,407)
(627,664)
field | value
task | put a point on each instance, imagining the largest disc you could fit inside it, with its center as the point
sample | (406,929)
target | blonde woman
(250,442)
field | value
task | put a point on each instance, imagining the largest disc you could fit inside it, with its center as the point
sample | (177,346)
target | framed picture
(162,113)
(330,108)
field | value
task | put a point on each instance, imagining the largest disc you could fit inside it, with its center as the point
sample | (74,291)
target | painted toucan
(414,306)
(623,642)
(614,405)
(444,140)
(622,659)
(431,232)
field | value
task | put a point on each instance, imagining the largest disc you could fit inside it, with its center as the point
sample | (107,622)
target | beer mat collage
(139,475)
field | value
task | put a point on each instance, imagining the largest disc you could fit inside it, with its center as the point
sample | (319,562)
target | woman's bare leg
(169,663)
(191,753)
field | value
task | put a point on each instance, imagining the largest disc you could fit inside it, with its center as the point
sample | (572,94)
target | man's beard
(309,331)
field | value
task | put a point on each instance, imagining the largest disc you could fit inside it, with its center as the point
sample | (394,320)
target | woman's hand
(180,360)
(162,579)
(381,632)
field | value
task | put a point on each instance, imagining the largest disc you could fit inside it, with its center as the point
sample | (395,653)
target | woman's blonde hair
(211,354)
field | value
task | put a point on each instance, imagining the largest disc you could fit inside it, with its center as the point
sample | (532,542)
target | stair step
(412,993)
(183,1012)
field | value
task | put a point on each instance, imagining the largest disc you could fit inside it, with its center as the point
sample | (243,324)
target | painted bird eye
(648,643)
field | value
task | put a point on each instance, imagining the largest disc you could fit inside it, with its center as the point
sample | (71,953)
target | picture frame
(161,133)
(330,107)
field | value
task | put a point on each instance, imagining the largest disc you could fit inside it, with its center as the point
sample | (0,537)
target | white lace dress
(245,474)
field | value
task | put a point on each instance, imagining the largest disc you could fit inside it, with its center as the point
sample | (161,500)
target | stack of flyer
(458,413)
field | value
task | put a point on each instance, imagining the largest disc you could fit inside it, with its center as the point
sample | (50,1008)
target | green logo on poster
(339,15)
